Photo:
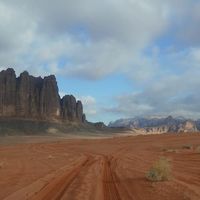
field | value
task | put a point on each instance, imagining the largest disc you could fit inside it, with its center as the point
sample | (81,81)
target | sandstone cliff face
(79,110)
(68,104)
(49,98)
(7,92)
(188,126)
(28,95)
(36,98)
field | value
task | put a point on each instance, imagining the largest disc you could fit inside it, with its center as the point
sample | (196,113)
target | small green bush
(160,171)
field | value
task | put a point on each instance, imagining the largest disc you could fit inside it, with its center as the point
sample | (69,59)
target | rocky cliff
(36,98)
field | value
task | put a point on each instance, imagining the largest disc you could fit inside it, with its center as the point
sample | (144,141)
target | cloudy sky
(122,58)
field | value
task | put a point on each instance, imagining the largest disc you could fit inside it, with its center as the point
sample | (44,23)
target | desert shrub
(160,171)
(170,150)
(187,146)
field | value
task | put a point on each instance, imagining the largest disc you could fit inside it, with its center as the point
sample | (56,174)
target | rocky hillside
(37,98)
(158,125)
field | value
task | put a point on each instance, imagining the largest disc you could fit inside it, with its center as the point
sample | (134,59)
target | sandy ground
(98,169)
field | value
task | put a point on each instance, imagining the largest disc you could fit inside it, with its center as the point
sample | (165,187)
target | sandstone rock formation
(188,126)
(36,98)
(79,111)
(99,125)
(7,92)
(49,98)
(68,105)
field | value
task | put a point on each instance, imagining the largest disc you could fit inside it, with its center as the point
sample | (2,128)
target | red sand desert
(99,169)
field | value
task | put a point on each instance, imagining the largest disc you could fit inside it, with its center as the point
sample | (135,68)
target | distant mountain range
(158,124)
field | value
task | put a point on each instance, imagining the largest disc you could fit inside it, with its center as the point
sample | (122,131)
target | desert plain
(114,168)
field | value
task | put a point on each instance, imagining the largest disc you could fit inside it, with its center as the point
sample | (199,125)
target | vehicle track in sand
(55,189)
(107,169)
(110,189)
(53,185)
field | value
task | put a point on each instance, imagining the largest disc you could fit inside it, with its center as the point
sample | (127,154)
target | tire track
(57,188)
(109,183)
(87,185)
(52,185)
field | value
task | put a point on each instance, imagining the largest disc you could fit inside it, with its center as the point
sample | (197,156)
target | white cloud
(89,104)
(173,93)
(92,39)
(96,39)
(88,100)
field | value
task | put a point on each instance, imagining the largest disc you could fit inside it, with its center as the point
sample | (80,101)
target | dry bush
(187,146)
(170,150)
(160,171)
